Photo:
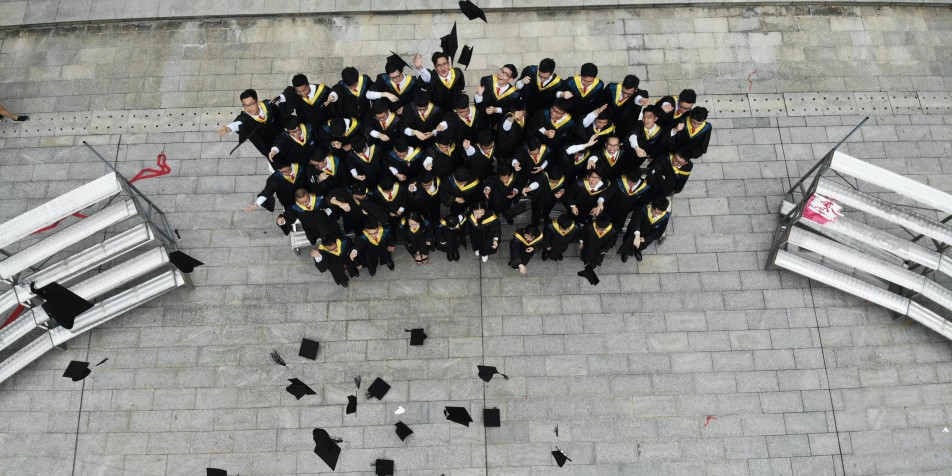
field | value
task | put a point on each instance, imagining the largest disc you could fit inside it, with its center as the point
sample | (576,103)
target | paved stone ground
(801,378)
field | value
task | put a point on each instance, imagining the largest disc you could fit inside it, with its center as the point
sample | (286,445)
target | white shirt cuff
(374,134)
(373,95)
(234,126)
(260,201)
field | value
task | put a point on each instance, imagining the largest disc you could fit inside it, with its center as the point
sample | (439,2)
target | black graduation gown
(316,222)
(629,196)
(354,219)
(294,151)
(612,169)
(624,111)
(395,202)
(351,103)
(469,192)
(543,120)
(528,163)
(545,196)
(460,129)
(404,95)
(479,164)
(493,98)
(333,176)
(326,139)
(654,142)
(665,179)
(408,166)
(584,102)
(277,185)
(594,246)
(390,127)
(370,166)
(585,199)
(522,250)
(444,163)
(499,193)
(443,92)
(575,168)
(484,232)
(536,96)
(374,253)
(583,134)
(508,142)
(650,230)
(341,267)
(261,134)
(308,112)
(419,241)
(668,120)
(427,122)
(556,240)
(425,202)
(694,140)
(448,240)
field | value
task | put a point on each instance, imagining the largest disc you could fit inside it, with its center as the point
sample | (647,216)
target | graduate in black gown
(394,81)
(404,162)
(511,133)
(461,191)
(667,175)
(419,122)
(647,225)
(315,217)
(531,159)
(346,202)
(545,190)
(337,134)
(285,180)
(625,101)
(501,192)
(584,91)
(375,245)
(538,85)
(481,159)
(554,126)
(647,138)
(323,173)
(484,230)
(259,122)
(462,123)
(558,235)
(309,102)
(337,255)
(424,197)
(354,94)
(448,236)
(393,196)
(589,196)
(692,135)
(417,237)
(496,93)
(364,163)
(632,193)
(595,240)
(444,81)
(296,144)
(443,157)
(526,242)
(673,109)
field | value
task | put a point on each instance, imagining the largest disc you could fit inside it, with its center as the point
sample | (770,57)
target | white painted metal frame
(880,177)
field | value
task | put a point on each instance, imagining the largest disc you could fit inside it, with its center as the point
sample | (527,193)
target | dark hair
(299,80)
(604,116)
(660,203)
(699,114)
(452,220)
(485,138)
(248,93)
(371,223)
(301,193)
(349,76)
(564,220)
(426,176)
(533,142)
(589,69)
(444,139)
(387,182)
(630,81)
(279,162)
(687,96)
(555,173)
(319,155)
(415,216)
(461,101)
(380,106)
(504,169)
(337,127)
(421,99)
(291,122)
(547,65)
(653,109)
(480,205)
(400,144)
(518,105)
(603,220)
(358,143)
(358,189)
(531,230)
(512,68)
(393,65)
(562,104)
(436,56)
(462,175)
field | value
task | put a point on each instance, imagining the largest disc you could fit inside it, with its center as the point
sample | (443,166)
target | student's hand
(526,80)
(466,144)
(520,115)
(428,166)
(487,191)
(550,133)
(490,110)
(567,95)
(641,152)
(322,177)
(412,188)
(460,200)
(345,207)
(361,177)
(667,108)
(513,194)
(559,193)
(592,140)
(644,102)
(597,210)
(330,99)
(271,155)
(401,177)
(353,255)
(495,244)
(440,127)
(530,249)
(480,89)
(281,221)
(522,269)
(526,191)
(574,210)
(390,96)
(390,249)
(517,167)
(315,253)
(418,61)
(384,137)
(252,207)
(680,126)
(418,134)
(536,170)
(224,130)
(399,111)
(601,109)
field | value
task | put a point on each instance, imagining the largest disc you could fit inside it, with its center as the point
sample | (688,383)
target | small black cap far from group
(77,370)
(62,305)
(184,262)
(471,11)
(457,415)
(299,388)
(378,389)
(417,336)
(486,372)
(560,457)
(384,467)
(309,349)
(403,431)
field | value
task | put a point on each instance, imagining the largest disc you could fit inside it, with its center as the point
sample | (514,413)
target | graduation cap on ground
(399,60)
(309,349)
(215,472)
(351,404)
(560,457)
(403,431)
(184,262)
(276,358)
(491,417)
(458,415)
(465,56)
(384,467)
(299,388)
(417,336)
(589,274)
(450,43)
(77,370)
(326,447)
(378,389)
(61,304)
(472,11)
(486,372)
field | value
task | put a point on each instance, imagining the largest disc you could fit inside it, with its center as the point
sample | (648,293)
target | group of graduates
(413,160)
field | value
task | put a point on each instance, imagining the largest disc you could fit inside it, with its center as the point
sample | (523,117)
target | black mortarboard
(384,467)
(215,472)
(378,389)
(375,209)
(450,43)
(471,10)
(417,336)
(589,274)
(398,59)
(351,404)
(458,415)
(403,431)
(560,457)
(61,304)
(491,417)
(77,370)
(326,447)
(465,56)
(309,349)
(299,388)
(184,262)
(486,372)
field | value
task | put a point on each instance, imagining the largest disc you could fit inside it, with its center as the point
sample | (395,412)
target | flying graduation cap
(215,472)
(560,457)
(472,11)
(384,467)
(61,304)
(399,60)
(465,56)
(184,262)
(299,388)
(326,447)
(417,336)
(77,370)
(403,431)
(589,274)
(351,404)
(309,349)
(450,43)
(491,417)
(378,389)
(486,372)
(458,415)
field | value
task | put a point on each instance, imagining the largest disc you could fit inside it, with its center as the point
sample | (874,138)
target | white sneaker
(485,259)
(477,252)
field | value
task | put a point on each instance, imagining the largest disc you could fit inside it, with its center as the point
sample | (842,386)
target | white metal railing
(880,177)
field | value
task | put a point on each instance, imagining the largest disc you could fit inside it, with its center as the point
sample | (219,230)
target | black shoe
(545,255)
(373,272)
(637,255)
(390,265)
(21,118)
(344,284)
(624,258)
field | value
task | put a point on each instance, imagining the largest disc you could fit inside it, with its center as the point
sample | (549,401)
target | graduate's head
(649,116)
(462,175)
(555,175)
(594,176)
(565,221)
(301,85)
(414,219)
(283,167)
(350,76)
(613,144)
(588,74)
(603,221)
(421,101)
(629,85)
(479,209)
(387,182)
(329,241)
(659,205)
(371,224)
(358,190)
(451,220)
(293,126)
(485,140)
(546,68)
(461,104)
(394,69)
(681,157)
(358,144)
(505,171)
(686,100)
(319,157)
(426,178)
(302,196)
(444,142)
(533,145)
(381,109)
(530,232)
(507,72)
(338,128)
(698,115)
(602,120)
(632,172)
(519,105)
(559,108)
(249,101)
(441,63)
(400,147)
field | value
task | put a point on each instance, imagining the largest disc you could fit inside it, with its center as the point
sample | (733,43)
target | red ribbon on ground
(50,227)
(13,316)
(164,169)
(709,418)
